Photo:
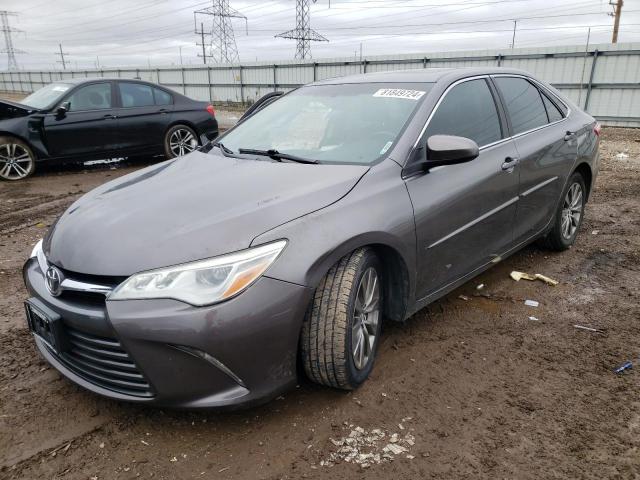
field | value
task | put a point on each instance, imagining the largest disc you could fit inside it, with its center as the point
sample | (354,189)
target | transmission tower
(303,32)
(12,63)
(223,47)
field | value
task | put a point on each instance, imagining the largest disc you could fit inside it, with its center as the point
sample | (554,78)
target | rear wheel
(569,215)
(17,160)
(180,140)
(342,327)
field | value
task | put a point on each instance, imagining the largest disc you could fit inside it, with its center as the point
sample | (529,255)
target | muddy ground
(477,388)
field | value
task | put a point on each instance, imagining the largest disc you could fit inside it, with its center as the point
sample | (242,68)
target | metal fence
(603,79)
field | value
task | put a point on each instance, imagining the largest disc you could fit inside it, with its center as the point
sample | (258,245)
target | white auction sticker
(399,93)
(60,88)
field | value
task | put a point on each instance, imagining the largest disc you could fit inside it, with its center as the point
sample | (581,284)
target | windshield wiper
(276,155)
(227,152)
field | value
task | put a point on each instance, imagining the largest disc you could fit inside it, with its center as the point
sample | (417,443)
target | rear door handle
(510,163)
(110,116)
(163,110)
(569,135)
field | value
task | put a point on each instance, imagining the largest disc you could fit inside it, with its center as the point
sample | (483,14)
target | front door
(464,213)
(88,129)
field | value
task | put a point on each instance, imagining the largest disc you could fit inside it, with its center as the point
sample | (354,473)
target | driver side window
(96,96)
(468,110)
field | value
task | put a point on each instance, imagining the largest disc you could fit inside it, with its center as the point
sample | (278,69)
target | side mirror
(449,150)
(63,108)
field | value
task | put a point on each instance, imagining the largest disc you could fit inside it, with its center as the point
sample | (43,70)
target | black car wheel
(17,160)
(180,140)
(342,327)
(569,215)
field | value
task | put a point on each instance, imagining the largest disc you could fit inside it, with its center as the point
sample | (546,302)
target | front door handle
(163,110)
(110,116)
(569,135)
(510,163)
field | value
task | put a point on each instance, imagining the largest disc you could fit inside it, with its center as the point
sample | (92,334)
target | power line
(9,49)
(303,34)
(223,41)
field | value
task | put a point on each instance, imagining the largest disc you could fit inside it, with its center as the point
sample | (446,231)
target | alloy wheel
(571,211)
(182,141)
(15,161)
(365,319)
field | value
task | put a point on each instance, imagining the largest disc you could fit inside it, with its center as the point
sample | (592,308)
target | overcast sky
(122,32)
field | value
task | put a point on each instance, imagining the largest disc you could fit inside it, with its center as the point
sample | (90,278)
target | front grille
(88,298)
(103,362)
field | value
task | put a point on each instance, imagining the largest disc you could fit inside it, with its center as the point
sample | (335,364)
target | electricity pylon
(303,32)
(12,63)
(223,41)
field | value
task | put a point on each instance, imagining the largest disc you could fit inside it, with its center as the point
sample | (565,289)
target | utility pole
(202,44)
(180,48)
(62,60)
(617,11)
(513,38)
(12,63)
(223,41)
(303,32)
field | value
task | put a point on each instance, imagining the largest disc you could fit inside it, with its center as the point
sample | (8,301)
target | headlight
(203,282)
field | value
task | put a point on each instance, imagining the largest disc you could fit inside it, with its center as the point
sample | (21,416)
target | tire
(334,324)
(17,160)
(180,140)
(569,215)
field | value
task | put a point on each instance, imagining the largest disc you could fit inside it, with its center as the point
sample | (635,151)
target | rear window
(523,102)
(135,95)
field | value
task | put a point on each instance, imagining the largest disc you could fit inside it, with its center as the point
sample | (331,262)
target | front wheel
(341,330)
(180,140)
(17,160)
(569,215)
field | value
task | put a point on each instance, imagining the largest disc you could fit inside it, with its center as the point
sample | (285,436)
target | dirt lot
(479,389)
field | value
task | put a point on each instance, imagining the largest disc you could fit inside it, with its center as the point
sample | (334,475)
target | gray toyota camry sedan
(215,279)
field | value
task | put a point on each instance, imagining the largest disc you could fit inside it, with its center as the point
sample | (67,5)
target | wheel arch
(398,286)
(584,169)
(186,123)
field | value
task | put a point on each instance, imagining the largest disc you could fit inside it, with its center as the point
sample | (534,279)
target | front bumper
(239,352)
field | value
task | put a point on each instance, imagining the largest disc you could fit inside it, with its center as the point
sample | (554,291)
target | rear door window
(135,95)
(468,110)
(553,112)
(523,103)
(161,97)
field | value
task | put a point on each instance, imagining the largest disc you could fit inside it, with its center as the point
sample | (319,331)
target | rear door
(89,127)
(464,213)
(144,115)
(546,147)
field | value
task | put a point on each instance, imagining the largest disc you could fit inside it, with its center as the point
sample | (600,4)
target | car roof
(422,75)
(79,81)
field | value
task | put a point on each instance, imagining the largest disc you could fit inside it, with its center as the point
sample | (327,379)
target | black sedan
(97,118)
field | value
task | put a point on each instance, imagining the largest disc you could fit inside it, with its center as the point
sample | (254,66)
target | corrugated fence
(603,79)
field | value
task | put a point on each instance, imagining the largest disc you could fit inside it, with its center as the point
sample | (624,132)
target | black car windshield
(346,123)
(46,96)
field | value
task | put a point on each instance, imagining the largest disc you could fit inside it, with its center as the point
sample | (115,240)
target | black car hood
(10,109)
(187,209)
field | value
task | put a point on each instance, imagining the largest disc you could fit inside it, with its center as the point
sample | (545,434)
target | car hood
(186,209)
(10,109)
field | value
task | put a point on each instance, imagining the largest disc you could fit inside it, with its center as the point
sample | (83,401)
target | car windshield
(46,96)
(346,123)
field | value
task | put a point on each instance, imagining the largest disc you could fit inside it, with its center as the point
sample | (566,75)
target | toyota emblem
(54,281)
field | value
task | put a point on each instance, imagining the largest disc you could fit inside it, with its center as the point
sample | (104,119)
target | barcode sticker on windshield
(399,93)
